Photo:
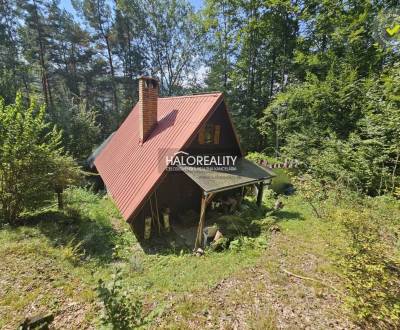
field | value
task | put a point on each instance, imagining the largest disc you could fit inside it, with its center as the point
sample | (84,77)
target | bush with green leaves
(244,242)
(371,267)
(32,163)
(370,261)
(314,192)
(122,308)
(397,192)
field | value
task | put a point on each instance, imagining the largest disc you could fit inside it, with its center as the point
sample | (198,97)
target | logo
(386,30)
(392,32)
(184,160)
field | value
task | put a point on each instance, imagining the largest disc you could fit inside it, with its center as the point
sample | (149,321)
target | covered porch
(213,181)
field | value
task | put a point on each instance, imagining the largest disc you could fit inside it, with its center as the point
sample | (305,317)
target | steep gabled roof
(130,170)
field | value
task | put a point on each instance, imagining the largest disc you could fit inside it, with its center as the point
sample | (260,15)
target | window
(217,132)
(210,134)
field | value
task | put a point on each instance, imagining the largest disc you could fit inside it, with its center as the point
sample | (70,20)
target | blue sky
(67,4)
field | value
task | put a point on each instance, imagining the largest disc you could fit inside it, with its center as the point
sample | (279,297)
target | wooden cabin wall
(177,192)
(227,143)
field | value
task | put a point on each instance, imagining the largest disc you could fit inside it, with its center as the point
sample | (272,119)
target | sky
(66,4)
(197,4)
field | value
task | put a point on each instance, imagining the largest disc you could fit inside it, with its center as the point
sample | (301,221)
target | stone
(40,321)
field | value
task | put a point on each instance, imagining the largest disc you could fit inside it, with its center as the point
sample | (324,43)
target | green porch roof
(215,180)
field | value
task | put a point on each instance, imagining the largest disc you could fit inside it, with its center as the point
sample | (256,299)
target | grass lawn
(262,295)
(53,263)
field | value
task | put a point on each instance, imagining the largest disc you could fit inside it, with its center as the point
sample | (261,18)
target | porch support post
(260,193)
(205,199)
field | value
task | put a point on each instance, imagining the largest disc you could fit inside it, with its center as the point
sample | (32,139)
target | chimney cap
(148,78)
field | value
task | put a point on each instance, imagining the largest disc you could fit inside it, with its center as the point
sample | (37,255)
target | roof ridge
(195,95)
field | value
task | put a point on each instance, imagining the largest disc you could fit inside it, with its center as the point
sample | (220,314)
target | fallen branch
(312,279)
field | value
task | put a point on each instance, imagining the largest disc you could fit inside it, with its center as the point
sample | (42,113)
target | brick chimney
(148,96)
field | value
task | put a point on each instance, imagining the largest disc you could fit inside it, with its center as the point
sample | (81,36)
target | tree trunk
(45,79)
(272,80)
(110,61)
(60,200)
(260,194)
(394,170)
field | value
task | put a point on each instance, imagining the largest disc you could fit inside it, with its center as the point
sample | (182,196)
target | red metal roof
(129,170)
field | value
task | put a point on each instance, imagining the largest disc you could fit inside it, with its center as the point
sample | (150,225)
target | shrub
(313,191)
(397,192)
(371,268)
(232,225)
(245,242)
(123,308)
(32,164)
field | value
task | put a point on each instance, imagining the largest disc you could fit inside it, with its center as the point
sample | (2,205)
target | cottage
(172,154)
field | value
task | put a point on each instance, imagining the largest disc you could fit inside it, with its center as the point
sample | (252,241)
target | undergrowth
(368,256)
(58,257)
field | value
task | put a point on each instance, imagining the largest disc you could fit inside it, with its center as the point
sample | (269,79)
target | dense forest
(310,82)
(317,81)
